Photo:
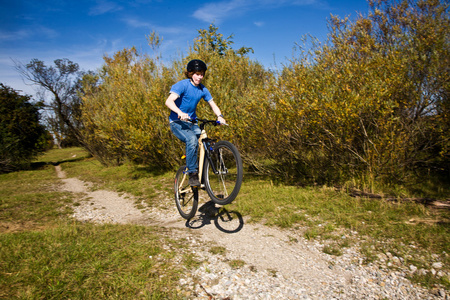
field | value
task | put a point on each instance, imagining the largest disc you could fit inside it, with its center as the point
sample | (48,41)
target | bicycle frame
(202,156)
(214,158)
(202,151)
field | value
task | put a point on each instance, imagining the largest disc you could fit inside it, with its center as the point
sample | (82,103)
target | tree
(124,115)
(211,41)
(372,103)
(62,81)
(22,137)
(235,81)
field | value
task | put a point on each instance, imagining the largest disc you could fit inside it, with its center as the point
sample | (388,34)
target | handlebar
(203,122)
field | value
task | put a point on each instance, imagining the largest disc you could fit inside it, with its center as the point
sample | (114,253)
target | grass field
(47,254)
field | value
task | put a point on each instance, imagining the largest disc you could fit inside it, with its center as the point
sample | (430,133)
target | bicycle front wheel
(186,197)
(223,173)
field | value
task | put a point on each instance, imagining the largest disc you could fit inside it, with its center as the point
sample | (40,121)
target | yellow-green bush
(125,113)
(231,78)
(371,103)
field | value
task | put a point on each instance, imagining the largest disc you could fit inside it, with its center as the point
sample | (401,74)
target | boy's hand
(183,117)
(221,120)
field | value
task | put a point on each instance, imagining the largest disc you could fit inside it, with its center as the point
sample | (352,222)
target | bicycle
(220,173)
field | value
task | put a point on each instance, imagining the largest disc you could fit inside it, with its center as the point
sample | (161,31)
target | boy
(182,101)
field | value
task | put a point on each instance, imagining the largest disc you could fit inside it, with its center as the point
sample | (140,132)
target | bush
(371,103)
(124,113)
(124,110)
(22,137)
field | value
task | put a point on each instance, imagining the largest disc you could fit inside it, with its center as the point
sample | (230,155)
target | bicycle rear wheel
(186,198)
(223,180)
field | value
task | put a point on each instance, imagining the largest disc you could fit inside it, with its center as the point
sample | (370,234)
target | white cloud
(217,11)
(13,35)
(21,34)
(104,7)
(135,23)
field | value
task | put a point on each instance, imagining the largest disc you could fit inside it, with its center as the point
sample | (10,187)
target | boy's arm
(170,103)
(217,111)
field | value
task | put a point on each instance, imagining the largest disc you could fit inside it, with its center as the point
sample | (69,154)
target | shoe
(193,180)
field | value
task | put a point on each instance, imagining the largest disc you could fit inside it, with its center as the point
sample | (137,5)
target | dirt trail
(296,262)
(258,245)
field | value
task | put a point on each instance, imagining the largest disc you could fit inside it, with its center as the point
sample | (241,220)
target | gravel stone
(278,264)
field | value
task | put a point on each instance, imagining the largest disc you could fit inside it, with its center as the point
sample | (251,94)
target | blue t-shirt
(190,96)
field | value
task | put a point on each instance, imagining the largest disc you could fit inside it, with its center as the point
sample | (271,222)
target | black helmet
(196,65)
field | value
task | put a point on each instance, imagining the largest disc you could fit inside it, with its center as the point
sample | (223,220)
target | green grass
(236,263)
(146,183)
(45,254)
(56,156)
(218,250)
(318,212)
(419,234)
(28,199)
(113,260)
(83,261)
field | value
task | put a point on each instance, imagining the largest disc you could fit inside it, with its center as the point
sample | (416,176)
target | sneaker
(193,180)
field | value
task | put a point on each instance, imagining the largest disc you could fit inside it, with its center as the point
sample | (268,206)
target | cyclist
(182,101)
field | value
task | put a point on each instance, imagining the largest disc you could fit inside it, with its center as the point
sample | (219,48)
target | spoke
(225,191)
(221,175)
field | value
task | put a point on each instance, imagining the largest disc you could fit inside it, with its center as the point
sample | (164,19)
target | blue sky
(86,30)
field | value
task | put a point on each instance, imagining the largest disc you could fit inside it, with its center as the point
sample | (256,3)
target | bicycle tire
(187,203)
(223,186)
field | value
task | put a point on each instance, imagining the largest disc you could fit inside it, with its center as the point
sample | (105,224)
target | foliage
(22,137)
(211,41)
(62,81)
(124,113)
(232,78)
(371,104)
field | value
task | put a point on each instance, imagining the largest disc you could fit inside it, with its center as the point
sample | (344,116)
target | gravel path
(274,263)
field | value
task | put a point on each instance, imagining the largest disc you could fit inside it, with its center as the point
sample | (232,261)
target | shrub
(22,137)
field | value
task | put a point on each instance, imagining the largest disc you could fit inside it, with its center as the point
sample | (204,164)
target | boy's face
(197,77)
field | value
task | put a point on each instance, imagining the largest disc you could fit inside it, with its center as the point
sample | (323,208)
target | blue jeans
(189,134)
